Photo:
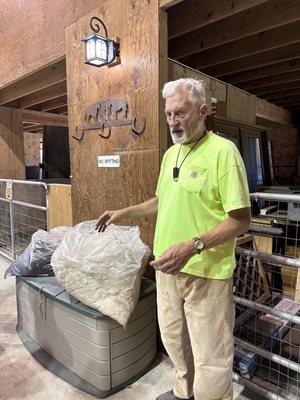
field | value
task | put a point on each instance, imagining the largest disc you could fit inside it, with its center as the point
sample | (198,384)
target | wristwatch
(198,244)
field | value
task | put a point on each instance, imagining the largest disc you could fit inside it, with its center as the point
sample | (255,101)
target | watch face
(200,245)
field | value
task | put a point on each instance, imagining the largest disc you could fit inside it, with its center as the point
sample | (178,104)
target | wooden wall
(33,33)
(139,25)
(232,103)
(32,143)
(12,164)
(59,205)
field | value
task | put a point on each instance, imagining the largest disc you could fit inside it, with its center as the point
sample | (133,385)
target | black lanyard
(176,169)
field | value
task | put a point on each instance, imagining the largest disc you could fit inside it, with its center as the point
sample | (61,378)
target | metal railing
(23,210)
(267,298)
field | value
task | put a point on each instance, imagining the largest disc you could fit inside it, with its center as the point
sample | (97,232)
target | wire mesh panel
(267,328)
(23,210)
(276,226)
(5,227)
(27,221)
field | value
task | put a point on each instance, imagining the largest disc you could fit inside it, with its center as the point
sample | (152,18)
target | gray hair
(194,87)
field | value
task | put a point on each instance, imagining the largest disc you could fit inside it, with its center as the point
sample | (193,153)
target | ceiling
(42,97)
(251,44)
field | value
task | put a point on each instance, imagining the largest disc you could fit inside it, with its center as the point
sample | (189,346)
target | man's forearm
(146,209)
(226,230)
(238,222)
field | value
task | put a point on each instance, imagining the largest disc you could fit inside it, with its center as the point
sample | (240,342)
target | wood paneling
(257,19)
(272,112)
(59,205)
(214,88)
(32,148)
(190,14)
(12,164)
(163,78)
(240,106)
(33,34)
(135,80)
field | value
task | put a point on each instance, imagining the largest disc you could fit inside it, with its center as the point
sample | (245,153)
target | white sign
(8,191)
(109,161)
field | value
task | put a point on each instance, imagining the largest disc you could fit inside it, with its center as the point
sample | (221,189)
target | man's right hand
(107,218)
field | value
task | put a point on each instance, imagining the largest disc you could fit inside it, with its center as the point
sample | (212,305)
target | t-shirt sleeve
(233,184)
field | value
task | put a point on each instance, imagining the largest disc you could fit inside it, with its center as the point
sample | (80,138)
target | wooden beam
(164,4)
(263,72)
(60,110)
(266,16)
(263,41)
(285,98)
(270,80)
(25,124)
(288,103)
(271,112)
(33,83)
(44,118)
(276,88)
(31,126)
(269,57)
(51,104)
(192,14)
(51,92)
(281,93)
(33,129)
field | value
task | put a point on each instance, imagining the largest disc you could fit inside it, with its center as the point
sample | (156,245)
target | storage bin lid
(51,288)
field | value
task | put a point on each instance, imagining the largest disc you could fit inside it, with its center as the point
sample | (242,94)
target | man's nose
(173,120)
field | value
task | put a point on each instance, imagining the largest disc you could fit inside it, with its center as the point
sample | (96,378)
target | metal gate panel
(23,210)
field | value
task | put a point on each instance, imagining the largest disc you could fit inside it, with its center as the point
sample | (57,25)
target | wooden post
(12,164)
(140,26)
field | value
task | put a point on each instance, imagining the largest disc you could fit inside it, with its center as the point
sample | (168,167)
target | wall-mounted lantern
(100,50)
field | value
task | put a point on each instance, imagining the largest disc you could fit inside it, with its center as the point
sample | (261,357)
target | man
(202,205)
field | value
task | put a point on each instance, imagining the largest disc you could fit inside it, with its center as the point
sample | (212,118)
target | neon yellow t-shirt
(212,181)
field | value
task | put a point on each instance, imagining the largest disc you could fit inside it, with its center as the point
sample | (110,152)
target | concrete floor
(22,377)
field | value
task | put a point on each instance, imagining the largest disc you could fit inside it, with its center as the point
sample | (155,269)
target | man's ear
(203,111)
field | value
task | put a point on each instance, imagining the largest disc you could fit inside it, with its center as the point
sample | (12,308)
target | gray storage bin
(81,345)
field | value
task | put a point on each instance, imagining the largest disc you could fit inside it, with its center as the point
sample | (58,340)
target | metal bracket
(104,115)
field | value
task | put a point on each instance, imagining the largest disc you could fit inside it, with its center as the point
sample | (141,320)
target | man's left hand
(175,258)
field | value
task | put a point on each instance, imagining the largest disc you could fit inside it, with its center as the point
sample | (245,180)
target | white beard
(181,140)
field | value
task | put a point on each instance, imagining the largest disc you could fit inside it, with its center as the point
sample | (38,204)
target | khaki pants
(196,319)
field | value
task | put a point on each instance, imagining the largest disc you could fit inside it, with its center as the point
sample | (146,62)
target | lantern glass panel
(90,49)
(101,50)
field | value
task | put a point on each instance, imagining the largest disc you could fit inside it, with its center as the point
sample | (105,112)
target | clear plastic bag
(35,259)
(103,270)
